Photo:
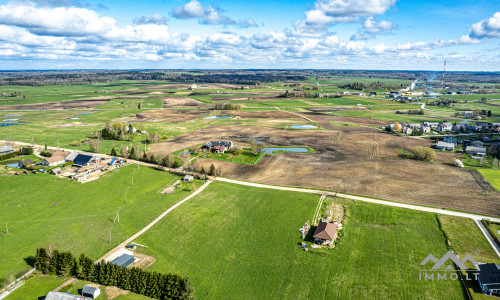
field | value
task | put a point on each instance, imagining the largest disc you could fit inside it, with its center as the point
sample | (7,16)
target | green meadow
(241,242)
(41,209)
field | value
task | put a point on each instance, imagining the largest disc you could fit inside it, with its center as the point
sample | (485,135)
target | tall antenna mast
(442,79)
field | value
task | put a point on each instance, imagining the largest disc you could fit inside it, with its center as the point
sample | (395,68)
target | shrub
(423,153)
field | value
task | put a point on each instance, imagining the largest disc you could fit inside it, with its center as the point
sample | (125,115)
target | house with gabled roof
(325,232)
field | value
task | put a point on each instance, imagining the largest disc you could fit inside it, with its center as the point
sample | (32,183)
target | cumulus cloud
(208,15)
(371,28)
(157,19)
(489,28)
(328,12)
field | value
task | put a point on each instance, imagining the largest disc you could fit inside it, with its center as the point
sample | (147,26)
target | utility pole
(126,200)
(6,228)
(110,236)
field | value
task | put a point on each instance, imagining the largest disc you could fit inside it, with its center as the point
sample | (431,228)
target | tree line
(150,284)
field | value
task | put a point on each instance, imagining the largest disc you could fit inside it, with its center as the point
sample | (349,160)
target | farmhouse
(325,232)
(444,127)
(477,144)
(59,157)
(431,124)
(64,296)
(6,150)
(91,292)
(407,130)
(489,279)
(217,146)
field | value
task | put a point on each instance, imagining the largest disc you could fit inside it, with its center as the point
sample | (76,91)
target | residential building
(57,158)
(425,129)
(444,146)
(444,127)
(217,146)
(407,130)
(325,232)
(481,151)
(477,143)
(489,278)
(431,124)
(449,139)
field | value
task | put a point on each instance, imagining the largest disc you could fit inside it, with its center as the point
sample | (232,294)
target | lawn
(42,209)
(241,242)
(493,177)
(40,285)
(36,287)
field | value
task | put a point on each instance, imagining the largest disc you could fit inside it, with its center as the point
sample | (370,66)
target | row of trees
(151,284)
(219,105)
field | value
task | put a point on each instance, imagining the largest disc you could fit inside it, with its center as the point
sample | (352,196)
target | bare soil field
(336,108)
(275,114)
(59,105)
(186,85)
(179,101)
(350,163)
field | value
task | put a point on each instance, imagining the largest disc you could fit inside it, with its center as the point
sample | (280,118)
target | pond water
(74,118)
(255,139)
(12,115)
(81,114)
(10,120)
(303,126)
(217,117)
(273,149)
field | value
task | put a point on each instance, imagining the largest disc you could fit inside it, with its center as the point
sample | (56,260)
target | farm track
(483,183)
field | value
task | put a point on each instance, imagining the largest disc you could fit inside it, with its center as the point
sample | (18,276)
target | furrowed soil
(364,161)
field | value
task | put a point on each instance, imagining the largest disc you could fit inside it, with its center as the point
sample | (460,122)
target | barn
(124,260)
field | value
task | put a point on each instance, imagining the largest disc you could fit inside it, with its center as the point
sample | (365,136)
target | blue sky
(323,34)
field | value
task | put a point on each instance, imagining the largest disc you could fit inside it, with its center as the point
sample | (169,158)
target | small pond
(81,114)
(303,126)
(273,149)
(12,115)
(217,117)
(10,120)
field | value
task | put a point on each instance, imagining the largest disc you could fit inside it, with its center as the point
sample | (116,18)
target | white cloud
(157,19)
(61,21)
(328,12)
(371,28)
(208,15)
(489,28)
(353,8)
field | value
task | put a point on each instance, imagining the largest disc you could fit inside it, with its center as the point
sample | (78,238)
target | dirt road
(365,199)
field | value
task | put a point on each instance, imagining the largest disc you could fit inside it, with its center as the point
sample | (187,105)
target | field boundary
(365,199)
(482,182)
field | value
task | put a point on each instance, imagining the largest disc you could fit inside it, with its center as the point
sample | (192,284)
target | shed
(92,292)
(6,150)
(56,171)
(124,260)
(188,178)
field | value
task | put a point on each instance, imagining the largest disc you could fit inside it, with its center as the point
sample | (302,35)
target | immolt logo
(443,268)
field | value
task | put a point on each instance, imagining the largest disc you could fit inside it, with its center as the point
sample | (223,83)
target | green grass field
(493,177)
(43,209)
(40,285)
(241,242)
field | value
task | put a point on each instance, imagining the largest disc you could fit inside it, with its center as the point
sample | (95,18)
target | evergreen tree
(41,260)
(212,170)
(113,152)
(132,152)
